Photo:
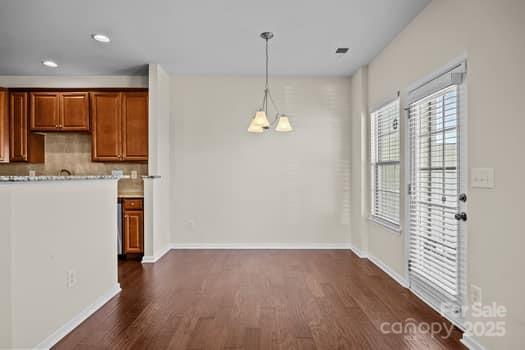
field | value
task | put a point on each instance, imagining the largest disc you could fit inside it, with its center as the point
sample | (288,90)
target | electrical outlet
(71,278)
(32,173)
(190,224)
(133,174)
(475,295)
(117,173)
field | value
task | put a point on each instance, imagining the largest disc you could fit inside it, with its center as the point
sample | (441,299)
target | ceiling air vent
(341,50)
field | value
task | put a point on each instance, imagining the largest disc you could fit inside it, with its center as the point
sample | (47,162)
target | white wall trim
(74,81)
(471,343)
(148,259)
(260,246)
(78,319)
(397,277)
(358,252)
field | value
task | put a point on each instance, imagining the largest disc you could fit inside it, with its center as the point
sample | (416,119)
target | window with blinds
(385,164)
(435,242)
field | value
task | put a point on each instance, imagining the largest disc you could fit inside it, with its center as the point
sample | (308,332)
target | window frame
(392,224)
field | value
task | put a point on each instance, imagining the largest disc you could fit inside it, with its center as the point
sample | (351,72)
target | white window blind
(435,245)
(385,163)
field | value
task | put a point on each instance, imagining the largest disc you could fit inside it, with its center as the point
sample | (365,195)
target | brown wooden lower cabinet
(133,226)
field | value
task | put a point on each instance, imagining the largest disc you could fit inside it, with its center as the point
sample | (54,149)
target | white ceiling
(197,36)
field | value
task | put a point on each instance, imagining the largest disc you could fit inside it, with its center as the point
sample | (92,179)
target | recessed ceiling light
(51,64)
(101,38)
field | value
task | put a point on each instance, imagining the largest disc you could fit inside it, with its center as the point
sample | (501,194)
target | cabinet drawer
(131,204)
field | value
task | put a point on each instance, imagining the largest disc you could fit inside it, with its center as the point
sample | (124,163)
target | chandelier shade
(284,124)
(255,128)
(261,120)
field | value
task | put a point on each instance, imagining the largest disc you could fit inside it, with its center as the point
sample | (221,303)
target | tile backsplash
(72,151)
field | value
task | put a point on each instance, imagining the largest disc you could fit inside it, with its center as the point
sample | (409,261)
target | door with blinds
(437,198)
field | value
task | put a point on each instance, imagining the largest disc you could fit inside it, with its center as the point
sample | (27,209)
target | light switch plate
(133,174)
(475,294)
(482,177)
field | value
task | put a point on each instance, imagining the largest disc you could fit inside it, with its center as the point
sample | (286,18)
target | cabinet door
(4,128)
(135,125)
(107,123)
(74,111)
(133,231)
(18,126)
(44,107)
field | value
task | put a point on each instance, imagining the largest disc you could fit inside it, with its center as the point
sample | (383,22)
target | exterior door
(437,198)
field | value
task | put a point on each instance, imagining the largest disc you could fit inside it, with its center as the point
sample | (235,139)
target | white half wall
(52,228)
(5,270)
(490,34)
(237,189)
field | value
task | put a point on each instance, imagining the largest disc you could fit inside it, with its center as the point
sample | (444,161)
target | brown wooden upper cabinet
(24,146)
(59,111)
(135,125)
(120,126)
(4,127)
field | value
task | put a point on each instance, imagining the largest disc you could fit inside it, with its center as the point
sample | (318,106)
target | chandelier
(259,122)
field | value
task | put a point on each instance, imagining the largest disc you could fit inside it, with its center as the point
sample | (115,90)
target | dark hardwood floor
(257,299)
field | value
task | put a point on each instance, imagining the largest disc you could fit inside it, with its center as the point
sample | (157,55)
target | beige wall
(490,33)
(233,188)
(43,247)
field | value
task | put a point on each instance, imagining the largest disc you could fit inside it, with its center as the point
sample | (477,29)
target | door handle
(461,216)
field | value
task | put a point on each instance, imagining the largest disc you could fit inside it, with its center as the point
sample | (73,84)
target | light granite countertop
(130,195)
(56,178)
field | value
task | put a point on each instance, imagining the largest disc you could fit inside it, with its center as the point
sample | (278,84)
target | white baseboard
(471,343)
(358,252)
(78,319)
(148,259)
(397,277)
(260,246)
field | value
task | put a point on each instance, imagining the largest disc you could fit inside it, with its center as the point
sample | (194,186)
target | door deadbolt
(461,216)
